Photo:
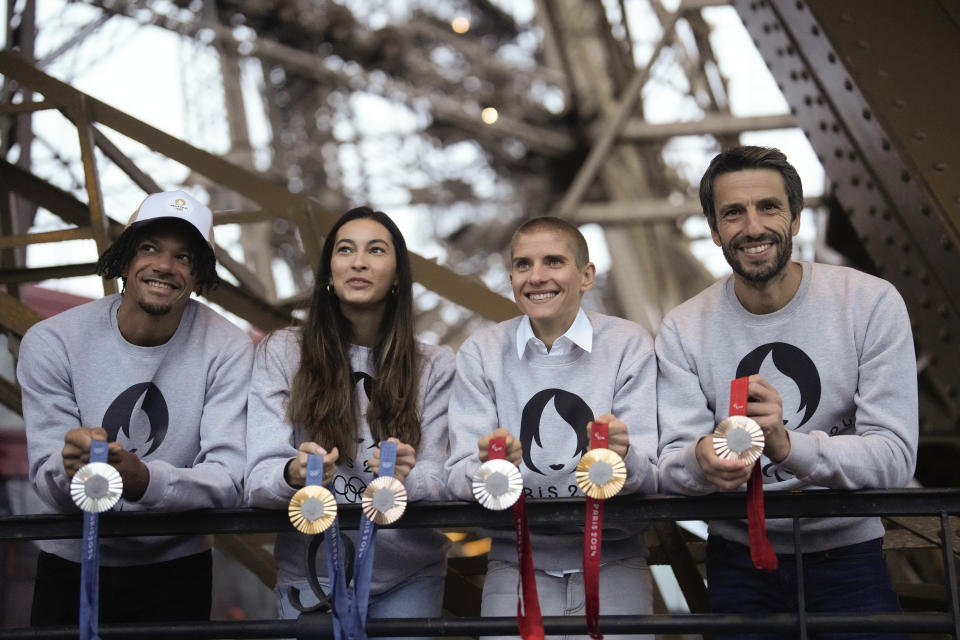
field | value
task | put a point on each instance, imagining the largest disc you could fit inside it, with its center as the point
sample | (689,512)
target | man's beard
(155,309)
(761,273)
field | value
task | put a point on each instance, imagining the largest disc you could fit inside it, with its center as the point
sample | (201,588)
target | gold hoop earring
(394,290)
(330,290)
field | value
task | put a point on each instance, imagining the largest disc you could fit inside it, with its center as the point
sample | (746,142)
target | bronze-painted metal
(868,82)
(738,438)
(384,500)
(312,509)
(601,473)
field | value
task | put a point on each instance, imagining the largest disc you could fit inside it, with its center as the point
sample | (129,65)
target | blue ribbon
(90,561)
(350,610)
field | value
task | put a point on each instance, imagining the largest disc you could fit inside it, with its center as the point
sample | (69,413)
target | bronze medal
(384,500)
(738,438)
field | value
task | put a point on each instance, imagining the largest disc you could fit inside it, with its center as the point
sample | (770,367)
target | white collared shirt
(580,334)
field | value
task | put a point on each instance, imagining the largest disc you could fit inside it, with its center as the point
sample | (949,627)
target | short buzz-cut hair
(749,157)
(581,253)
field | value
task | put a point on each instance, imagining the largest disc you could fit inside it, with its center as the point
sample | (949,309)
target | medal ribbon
(529,619)
(761,551)
(592,540)
(90,561)
(350,610)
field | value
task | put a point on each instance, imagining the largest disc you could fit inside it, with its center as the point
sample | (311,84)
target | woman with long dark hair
(350,378)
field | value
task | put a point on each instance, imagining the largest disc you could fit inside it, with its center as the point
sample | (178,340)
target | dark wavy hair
(323,398)
(748,157)
(118,255)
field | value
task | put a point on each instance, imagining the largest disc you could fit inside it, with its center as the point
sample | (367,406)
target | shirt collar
(580,333)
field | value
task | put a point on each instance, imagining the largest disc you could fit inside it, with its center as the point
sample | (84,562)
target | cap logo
(179,204)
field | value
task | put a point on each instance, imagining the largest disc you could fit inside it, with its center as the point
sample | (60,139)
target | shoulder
(216,329)
(615,329)
(704,305)
(435,356)
(492,339)
(845,287)
(78,322)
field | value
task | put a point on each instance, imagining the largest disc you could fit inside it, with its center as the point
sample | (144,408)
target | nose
(359,262)
(538,273)
(163,261)
(752,223)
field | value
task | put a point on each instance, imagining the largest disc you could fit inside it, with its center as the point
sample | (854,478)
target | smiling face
(547,283)
(159,278)
(363,267)
(754,227)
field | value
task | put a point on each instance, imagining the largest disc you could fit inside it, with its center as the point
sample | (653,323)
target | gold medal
(384,500)
(96,487)
(312,509)
(497,484)
(601,473)
(738,438)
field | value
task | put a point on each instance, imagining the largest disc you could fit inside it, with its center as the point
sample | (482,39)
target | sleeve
(683,414)
(427,479)
(635,403)
(882,452)
(215,480)
(473,414)
(49,411)
(270,439)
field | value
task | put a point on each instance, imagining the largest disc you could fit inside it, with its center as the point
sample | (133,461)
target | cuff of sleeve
(280,488)
(638,470)
(803,454)
(691,466)
(161,473)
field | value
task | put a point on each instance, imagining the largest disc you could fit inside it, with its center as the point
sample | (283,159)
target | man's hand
(766,407)
(406,460)
(514,451)
(618,439)
(132,470)
(295,473)
(76,447)
(726,474)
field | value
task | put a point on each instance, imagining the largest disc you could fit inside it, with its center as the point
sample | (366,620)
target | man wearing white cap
(163,379)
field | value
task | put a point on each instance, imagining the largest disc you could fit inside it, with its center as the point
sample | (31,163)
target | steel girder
(874,85)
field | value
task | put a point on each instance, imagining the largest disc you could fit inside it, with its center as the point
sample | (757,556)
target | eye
(185,258)
(521,265)
(555,261)
(344,249)
(147,247)
(378,250)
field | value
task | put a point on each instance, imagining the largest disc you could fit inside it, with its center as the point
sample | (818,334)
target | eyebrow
(369,243)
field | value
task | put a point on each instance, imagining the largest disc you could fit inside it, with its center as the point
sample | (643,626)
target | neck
(772,295)
(548,330)
(366,324)
(143,329)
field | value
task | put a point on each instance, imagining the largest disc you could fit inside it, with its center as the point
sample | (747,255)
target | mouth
(358,282)
(159,285)
(541,296)
(760,248)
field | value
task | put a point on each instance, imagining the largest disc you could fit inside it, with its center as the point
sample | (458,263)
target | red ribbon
(529,619)
(592,541)
(761,551)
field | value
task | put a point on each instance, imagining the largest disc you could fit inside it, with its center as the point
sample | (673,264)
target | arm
(684,416)
(215,480)
(882,453)
(427,480)
(270,439)
(49,411)
(473,415)
(635,404)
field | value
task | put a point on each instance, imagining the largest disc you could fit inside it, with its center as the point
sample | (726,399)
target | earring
(330,290)
(394,289)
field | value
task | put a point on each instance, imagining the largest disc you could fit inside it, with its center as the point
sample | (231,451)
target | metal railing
(939,503)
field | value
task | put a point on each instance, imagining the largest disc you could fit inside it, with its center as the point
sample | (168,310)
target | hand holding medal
(740,437)
(385,498)
(497,483)
(95,488)
(313,508)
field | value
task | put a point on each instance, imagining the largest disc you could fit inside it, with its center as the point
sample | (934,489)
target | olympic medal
(384,500)
(601,473)
(312,509)
(497,484)
(738,438)
(96,487)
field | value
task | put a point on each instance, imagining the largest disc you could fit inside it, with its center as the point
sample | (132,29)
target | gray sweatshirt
(180,406)
(400,553)
(546,402)
(840,354)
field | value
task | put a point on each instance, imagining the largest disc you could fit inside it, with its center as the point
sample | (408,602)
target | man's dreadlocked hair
(117,257)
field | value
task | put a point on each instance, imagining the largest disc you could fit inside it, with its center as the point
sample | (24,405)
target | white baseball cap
(175,204)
